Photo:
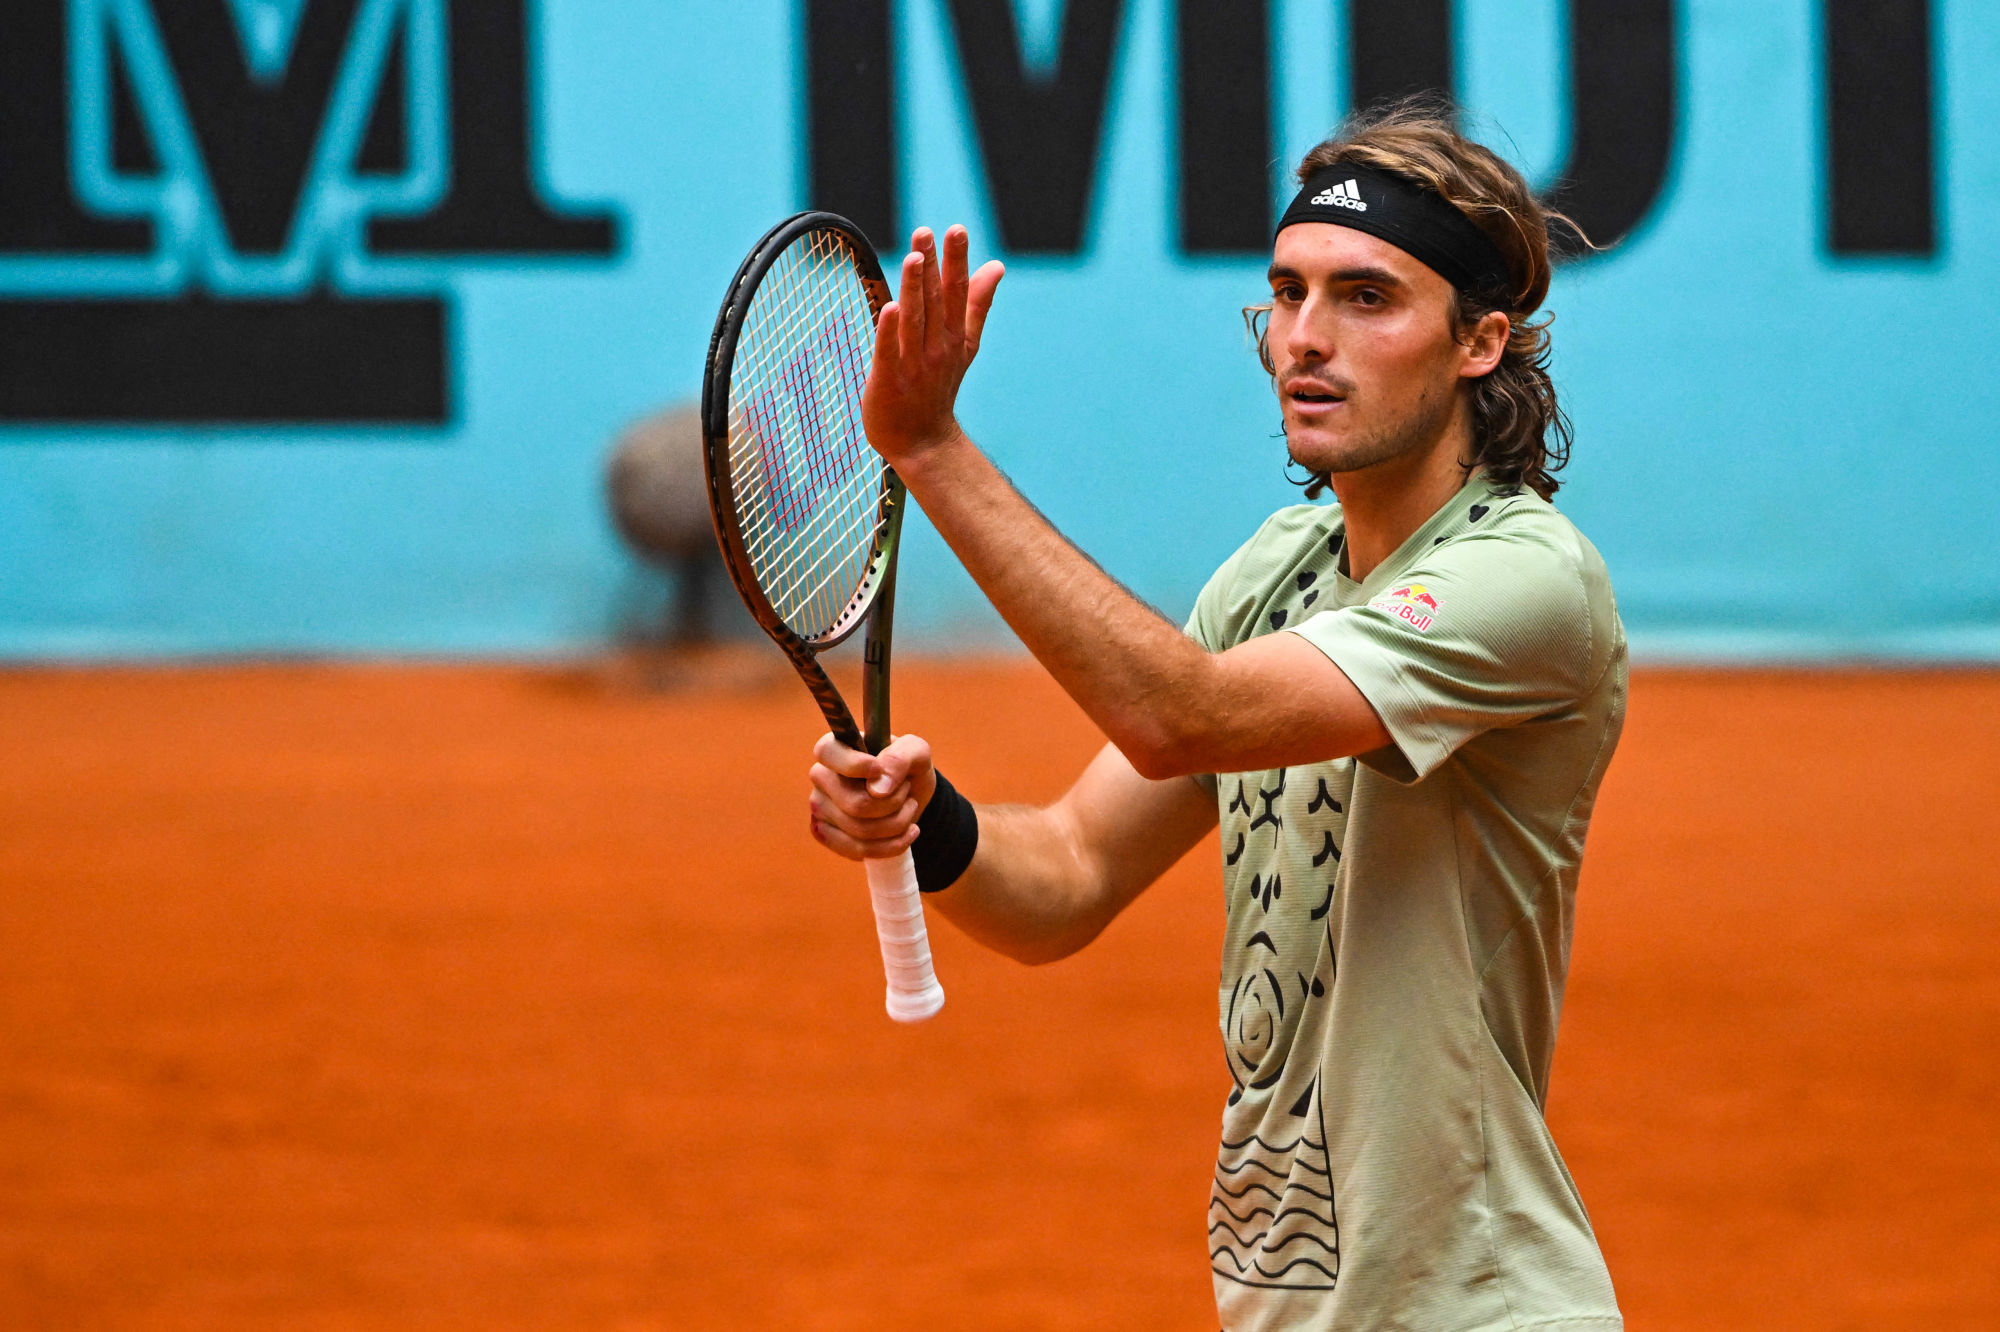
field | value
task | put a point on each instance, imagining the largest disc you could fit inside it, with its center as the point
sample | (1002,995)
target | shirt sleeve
(1489,631)
(1211,622)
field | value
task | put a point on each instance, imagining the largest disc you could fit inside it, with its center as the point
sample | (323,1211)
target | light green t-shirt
(1399,930)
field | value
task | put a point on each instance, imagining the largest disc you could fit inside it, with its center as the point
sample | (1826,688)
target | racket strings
(799,572)
(807,443)
(808,489)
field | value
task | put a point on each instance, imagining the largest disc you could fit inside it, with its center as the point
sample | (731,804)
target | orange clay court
(501,998)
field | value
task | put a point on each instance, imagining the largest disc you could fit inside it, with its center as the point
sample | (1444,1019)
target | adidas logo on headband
(1409,215)
(1344,195)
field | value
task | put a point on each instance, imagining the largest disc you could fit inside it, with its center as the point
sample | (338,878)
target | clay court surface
(443,997)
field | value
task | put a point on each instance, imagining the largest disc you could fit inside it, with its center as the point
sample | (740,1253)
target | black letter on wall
(1398,47)
(1039,136)
(1622,74)
(1621,95)
(850,103)
(256,139)
(1880,185)
(38,211)
(494,206)
(1225,125)
(385,143)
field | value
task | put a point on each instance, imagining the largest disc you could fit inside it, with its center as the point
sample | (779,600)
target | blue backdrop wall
(317,317)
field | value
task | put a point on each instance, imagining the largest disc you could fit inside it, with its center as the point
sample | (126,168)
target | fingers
(856,783)
(899,761)
(844,759)
(888,362)
(907,759)
(865,806)
(979,300)
(951,299)
(937,332)
(939,306)
(924,342)
(914,313)
(841,844)
(886,828)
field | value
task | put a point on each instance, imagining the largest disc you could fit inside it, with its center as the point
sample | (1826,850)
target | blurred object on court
(659,498)
(681,627)
(659,502)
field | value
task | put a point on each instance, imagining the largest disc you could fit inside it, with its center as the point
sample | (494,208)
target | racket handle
(914,993)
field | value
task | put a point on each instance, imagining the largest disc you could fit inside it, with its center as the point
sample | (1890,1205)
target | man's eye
(1369,296)
(1287,294)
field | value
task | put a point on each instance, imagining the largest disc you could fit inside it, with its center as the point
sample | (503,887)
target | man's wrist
(948,837)
(920,457)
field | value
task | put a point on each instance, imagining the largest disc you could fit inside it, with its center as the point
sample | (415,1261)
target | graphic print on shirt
(1273,1220)
(1377,1118)
(1271,1214)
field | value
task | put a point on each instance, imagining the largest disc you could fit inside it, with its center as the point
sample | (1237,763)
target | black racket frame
(873,603)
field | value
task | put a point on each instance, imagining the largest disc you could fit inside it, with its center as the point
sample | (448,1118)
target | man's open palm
(925,340)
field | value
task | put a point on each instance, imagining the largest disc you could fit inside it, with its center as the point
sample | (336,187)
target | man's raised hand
(925,340)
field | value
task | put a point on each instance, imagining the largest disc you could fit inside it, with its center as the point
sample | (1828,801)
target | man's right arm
(1045,880)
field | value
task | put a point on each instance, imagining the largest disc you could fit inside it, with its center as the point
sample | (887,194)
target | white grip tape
(914,993)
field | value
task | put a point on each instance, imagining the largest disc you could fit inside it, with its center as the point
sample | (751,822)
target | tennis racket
(807,514)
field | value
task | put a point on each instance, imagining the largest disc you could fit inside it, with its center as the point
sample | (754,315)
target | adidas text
(1344,195)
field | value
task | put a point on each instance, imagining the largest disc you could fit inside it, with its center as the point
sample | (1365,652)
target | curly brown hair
(1521,435)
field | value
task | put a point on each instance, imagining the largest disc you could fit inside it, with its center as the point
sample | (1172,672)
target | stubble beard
(1414,429)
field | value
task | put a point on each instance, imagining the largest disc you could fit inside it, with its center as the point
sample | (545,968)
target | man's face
(1361,335)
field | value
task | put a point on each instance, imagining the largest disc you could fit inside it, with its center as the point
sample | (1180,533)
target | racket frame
(873,600)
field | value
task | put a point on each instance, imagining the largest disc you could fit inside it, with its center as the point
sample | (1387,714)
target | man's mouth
(1311,394)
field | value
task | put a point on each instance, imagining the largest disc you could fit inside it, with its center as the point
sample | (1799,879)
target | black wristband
(950,835)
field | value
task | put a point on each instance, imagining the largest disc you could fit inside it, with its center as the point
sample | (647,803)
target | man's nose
(1309,339)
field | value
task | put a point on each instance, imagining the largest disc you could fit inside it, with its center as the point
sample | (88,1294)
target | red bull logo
(1412,603)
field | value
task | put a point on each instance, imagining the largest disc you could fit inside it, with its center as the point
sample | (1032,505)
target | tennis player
(1399,707)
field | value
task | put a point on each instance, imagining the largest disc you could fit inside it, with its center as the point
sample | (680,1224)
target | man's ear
(1485,342)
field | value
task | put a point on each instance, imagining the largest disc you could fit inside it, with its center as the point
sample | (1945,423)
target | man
(1406,702)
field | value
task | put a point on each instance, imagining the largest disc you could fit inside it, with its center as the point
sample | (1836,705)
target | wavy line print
(1264,1271)
(1293,1238)
(1314,1264)
(1247,1241)
(1299,1151)
(1248,1189)
(1253,1163)
(1327,1221)
(1296,1187)
(1291,1146)
(1312,1158)
(1291,1187)
(1278,1216)
(1260,1241)
(1237,1162)
(1270,1285)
